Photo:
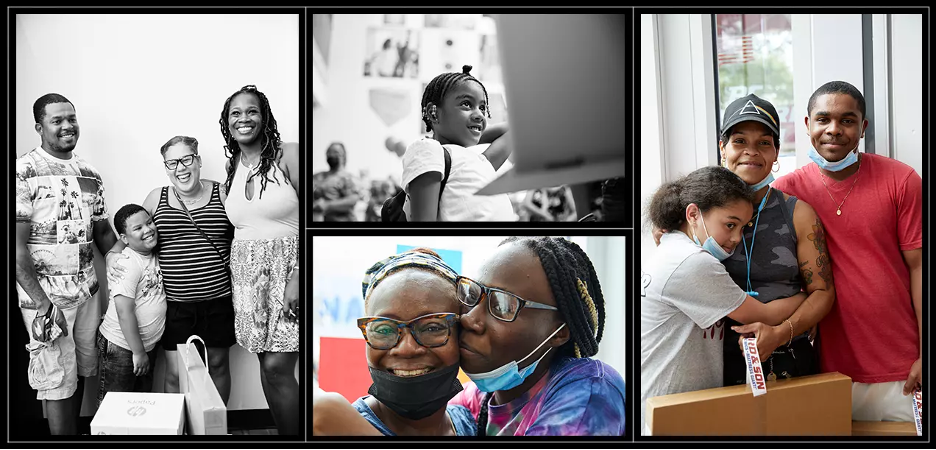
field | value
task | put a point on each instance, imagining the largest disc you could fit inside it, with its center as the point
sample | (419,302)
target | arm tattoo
(806,272)
(822,262)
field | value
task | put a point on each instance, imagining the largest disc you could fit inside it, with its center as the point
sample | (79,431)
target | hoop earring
(776,167)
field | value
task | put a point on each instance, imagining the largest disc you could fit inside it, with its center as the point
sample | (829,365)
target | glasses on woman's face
(186,161)
(501,304)
(431,330)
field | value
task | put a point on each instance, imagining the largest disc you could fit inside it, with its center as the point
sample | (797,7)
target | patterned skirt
(260,270)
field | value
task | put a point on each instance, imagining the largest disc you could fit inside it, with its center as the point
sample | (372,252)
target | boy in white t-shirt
(455,109)
(136,311)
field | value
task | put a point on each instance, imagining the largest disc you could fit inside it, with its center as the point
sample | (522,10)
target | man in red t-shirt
(872,210)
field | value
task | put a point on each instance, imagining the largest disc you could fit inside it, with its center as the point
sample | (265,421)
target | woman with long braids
(530,323)
(527,348)
(262,188)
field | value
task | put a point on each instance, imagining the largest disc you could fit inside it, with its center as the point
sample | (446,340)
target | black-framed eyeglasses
(431,330)
(186,161)
(502,305)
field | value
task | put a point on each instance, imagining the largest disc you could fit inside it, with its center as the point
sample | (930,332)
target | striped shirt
(192,269)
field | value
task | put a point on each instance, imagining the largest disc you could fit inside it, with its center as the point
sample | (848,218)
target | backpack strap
(448,169)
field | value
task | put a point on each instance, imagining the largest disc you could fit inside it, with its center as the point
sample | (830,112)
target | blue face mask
(836,166)
(710,245)
(508,376)
(766,181)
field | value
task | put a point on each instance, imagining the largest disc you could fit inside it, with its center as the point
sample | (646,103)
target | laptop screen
(565,87)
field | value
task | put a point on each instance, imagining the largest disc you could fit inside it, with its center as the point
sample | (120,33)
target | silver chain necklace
(192,202)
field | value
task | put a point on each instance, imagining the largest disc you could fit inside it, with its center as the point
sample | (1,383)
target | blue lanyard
(748,252)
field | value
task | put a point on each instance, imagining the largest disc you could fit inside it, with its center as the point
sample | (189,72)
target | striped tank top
(192,269)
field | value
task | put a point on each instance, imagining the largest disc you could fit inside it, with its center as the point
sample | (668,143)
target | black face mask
(334,163)
(415,397)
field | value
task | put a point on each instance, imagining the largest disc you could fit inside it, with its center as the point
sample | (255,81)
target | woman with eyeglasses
(529,360)
(262,188)
(194,249)
(412,348)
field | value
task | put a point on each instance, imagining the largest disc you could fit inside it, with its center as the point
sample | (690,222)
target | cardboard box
(139,413)
(883,428)
(206,413)
(815,405)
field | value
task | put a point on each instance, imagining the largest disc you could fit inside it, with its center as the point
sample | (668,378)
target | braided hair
(271,144)
(574,284)
(439,86)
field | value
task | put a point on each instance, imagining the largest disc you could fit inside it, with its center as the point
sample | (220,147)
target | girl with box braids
(437,88)
(577,291)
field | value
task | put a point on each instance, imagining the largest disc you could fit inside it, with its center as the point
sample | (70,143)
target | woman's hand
(291,297)
(768,337)
(657,234)
(114,268)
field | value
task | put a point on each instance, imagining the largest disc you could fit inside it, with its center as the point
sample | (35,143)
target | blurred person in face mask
(334,192)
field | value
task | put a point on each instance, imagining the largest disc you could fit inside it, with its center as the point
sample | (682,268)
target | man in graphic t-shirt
(60,213)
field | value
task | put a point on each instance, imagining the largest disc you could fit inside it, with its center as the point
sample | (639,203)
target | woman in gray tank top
(783,250)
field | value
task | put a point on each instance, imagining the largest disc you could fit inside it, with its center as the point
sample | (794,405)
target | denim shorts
(117,370)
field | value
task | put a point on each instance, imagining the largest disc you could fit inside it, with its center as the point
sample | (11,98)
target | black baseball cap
(753,108)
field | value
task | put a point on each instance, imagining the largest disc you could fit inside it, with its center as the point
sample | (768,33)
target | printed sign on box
(139,413)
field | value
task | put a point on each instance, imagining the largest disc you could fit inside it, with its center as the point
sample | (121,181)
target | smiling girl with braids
(264,254)
(455,110)
(537,304)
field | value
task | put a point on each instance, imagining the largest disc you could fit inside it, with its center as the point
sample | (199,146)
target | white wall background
(907,83)
(138,80)
(675,46)
(340,259)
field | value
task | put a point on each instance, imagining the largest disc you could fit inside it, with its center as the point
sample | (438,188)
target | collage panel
(476,334)
(775,244)
(209,194)
(431,142)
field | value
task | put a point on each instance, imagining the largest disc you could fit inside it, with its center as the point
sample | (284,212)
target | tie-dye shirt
(60,200)
(576,397)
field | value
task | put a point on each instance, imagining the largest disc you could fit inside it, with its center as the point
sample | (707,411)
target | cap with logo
(753,108)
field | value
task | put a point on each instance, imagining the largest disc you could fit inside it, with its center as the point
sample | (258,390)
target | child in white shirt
(136,311)
(455,109)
